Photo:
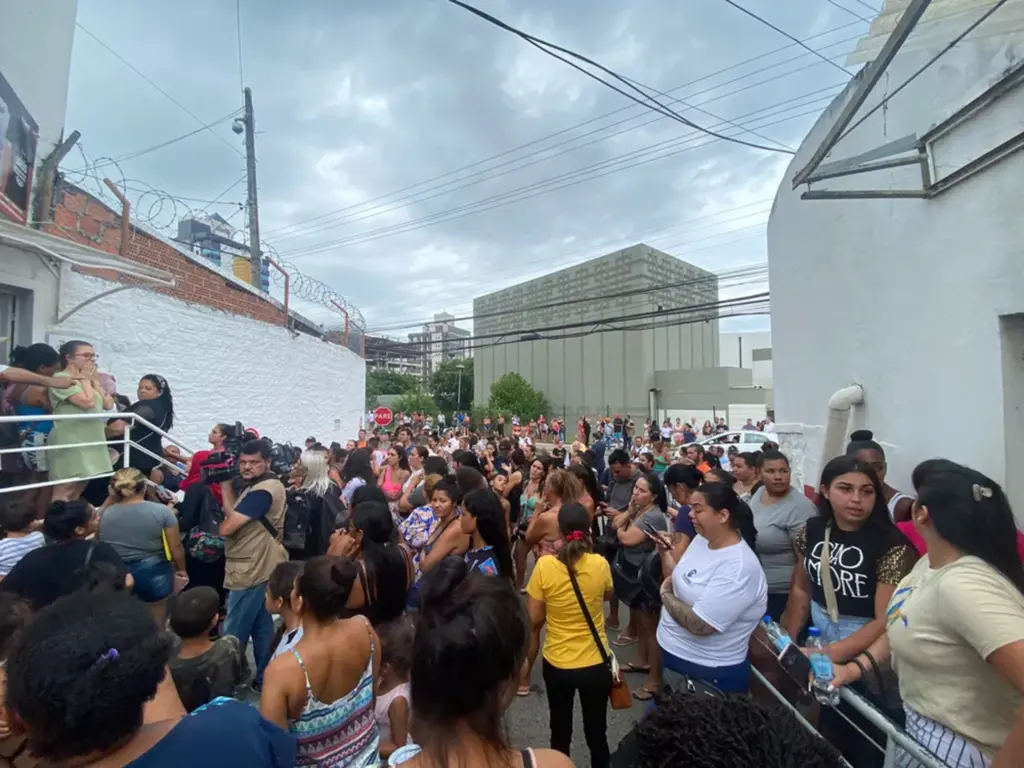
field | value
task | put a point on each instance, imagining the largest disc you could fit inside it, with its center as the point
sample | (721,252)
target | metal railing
(896,738)
(124,443)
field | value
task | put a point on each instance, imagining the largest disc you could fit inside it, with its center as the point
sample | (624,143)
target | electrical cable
(946,49)
(240,179)
(782,32)
(160,90)
(553,50)
(744,271)
(629,107)
(844,8)
(238,29)
(629,160)
(871,8)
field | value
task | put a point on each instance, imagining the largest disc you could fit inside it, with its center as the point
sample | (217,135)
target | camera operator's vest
(251,552)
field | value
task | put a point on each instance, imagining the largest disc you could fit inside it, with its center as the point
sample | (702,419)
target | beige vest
(251,552)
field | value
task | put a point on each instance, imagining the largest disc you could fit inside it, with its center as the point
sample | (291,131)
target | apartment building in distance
(384,353)
(441,340)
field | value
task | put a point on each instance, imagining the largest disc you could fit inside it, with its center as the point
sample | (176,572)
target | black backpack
(297,523)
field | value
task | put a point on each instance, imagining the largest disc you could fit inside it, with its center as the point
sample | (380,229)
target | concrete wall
(220,366)
(738,350)
(36,37)
(597,373)
(918,301)
(35,285)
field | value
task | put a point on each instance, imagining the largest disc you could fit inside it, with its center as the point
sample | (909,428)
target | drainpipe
(652,403)
(839,406)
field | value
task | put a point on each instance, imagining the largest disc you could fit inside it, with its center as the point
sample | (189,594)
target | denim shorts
(154,578)
(834,631)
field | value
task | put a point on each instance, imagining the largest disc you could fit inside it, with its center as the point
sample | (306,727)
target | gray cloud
(357,99)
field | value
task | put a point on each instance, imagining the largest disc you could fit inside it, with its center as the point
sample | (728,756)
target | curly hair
(733,731)
(82,671)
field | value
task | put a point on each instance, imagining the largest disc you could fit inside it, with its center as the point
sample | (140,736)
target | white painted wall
(905,296)
(36,282)
(220,367)
(36,37)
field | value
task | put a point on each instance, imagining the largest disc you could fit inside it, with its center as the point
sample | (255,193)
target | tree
(415,402)
(512,395)
(444,386)
(388,383)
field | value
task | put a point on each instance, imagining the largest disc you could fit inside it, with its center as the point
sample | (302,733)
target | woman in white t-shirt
(715,596)
(955,624)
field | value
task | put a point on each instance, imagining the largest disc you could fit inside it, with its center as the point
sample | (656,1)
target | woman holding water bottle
(955,625)
(851,558)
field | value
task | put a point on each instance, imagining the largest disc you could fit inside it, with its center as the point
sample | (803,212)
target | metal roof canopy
(74,254)
(911,149)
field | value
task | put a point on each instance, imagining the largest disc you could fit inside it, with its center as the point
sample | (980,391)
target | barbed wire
(159,211)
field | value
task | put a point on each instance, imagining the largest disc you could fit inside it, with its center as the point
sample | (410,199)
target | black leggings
(593,683)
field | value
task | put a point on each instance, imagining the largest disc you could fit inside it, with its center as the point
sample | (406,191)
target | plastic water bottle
(821,669)
(780,640)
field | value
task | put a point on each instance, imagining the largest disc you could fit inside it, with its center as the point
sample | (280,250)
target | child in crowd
(392,707)
(204,669)
(23,534)
(283,600)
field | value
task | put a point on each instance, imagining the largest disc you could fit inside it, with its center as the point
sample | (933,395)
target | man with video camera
(252,528)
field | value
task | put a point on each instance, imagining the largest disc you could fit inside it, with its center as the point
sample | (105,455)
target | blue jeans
(247,617)
(834,631)
(732,679)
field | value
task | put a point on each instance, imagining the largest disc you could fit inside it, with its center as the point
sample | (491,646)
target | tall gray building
(587,369)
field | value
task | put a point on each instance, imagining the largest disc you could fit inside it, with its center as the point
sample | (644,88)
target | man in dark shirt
(623,475)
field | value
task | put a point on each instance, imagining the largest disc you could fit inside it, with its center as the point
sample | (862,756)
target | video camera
(221,466)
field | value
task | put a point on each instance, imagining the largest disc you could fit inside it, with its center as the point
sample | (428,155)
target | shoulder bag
(619,695)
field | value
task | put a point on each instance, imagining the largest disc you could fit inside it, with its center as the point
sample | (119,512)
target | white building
(752,351)
(442,340)
(920,301)
(229,351)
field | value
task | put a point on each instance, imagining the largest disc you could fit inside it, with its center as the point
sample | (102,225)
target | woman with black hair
(955,624)
(483,520)
(572,660)
(155,405)
(70,562)
(530,488)
(384,569)
(88,682)
(357,472)
(476,625)
(862,446)
(715,595)
(322,690)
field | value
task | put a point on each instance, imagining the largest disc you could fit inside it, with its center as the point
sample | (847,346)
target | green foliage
(415,401)
(444,385)
(512,395)
(388,383)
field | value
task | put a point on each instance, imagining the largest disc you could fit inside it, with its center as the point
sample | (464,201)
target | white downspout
(839,406)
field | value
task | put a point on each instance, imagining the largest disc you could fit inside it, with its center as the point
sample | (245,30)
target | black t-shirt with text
(860,561)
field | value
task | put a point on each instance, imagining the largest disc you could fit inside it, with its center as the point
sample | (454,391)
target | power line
(784,33)
(238,29)
(745,271)
(238,181)
(649,101)
(599,118)
(844,8)
(160,90)
(869,7)
(626,161)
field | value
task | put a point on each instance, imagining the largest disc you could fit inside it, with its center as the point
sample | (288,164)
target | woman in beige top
(955,624)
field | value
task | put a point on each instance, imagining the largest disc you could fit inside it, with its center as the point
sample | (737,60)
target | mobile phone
(796,665)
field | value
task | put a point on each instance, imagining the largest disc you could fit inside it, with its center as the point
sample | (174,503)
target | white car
(744,440)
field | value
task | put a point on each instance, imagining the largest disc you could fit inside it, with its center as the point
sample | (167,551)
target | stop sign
(383,416)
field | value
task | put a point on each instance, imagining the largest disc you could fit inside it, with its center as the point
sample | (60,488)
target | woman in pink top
(393,475)
(543,535)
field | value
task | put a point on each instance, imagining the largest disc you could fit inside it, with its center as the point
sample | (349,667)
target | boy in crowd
(203,668)
(23,534)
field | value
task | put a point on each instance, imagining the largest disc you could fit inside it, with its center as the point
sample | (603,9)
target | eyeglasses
(87,355)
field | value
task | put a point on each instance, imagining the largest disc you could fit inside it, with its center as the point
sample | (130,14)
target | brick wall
(80,217)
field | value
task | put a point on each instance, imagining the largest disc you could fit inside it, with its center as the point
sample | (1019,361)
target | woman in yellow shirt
(572,660)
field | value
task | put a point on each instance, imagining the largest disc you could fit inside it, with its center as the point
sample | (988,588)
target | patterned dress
(342,733)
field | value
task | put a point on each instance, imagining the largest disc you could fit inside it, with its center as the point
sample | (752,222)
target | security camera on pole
(247,124)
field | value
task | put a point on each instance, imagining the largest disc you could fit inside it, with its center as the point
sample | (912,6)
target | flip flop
(609,625)
(631,667)
(642,694)
(524,692)
(623,640)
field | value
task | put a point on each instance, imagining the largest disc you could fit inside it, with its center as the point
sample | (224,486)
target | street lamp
(458,401)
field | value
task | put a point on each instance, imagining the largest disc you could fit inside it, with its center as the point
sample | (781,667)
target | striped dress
(342,733)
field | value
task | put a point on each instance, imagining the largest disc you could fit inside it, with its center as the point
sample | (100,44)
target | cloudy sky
(412,156)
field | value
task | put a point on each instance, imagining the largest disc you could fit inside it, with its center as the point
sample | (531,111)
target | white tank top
(380,712)
(894,501)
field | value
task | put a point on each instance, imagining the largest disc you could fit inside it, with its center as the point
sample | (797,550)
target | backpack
(203,543)
(297,522)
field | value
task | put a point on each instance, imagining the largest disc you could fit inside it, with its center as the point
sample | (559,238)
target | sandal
(642,694)
(623,640)
(631,667)
(609,625)
(524,691)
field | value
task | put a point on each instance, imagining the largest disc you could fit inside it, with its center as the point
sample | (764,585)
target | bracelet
(863,671)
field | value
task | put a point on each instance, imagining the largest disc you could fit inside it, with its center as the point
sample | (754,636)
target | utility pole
(249,121)
(458,405)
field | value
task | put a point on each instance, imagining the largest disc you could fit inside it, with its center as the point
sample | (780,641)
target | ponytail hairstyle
(35,357)
(720,496)
(483,505)
(165,397)
(574,526)
(565,486)
(68,349)
(128,483)
(325,583)
(387,583)
(970,511)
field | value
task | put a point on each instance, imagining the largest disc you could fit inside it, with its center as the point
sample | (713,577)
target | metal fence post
(127,443)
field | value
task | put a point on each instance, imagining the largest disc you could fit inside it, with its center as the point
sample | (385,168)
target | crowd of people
(383,602)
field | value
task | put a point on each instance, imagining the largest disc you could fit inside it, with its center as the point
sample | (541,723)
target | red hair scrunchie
(574,536)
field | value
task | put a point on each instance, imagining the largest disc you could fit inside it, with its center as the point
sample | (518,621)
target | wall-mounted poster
(19,136)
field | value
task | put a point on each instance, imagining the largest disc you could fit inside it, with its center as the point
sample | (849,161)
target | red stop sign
(383,416)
